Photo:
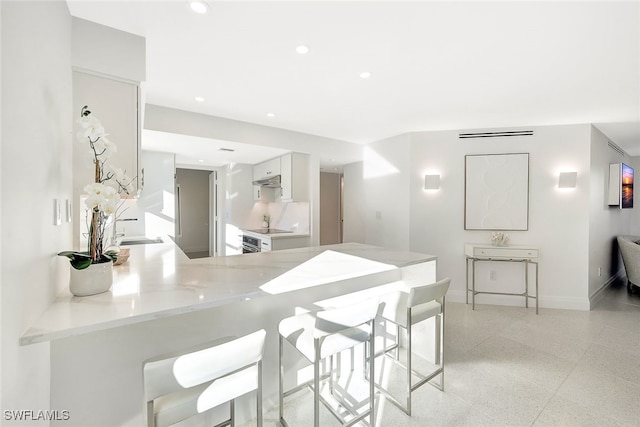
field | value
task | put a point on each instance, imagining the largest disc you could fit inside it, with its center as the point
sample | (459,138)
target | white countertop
(158,280)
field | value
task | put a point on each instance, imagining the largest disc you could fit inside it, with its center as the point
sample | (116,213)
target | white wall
(108,51)
(386,173)
(35,169)
(1,208)
(433,221)
(558,220)
(239,207)
(354,229)
(156,202)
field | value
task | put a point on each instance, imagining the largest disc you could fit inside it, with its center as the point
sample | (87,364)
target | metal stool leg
(280,380)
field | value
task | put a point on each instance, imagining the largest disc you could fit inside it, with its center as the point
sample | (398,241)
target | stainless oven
(250,244)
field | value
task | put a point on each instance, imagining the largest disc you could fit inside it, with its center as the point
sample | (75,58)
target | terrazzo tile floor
(505,366)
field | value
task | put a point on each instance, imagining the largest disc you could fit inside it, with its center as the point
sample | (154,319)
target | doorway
(196,212)
(331,211)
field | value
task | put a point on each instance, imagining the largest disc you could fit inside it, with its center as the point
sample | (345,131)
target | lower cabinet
(269,244)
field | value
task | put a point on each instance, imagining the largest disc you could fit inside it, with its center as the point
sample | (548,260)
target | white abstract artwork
(497,192)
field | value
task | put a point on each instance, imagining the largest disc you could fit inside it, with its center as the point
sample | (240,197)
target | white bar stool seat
(179,386)
(405,309)
(323,334)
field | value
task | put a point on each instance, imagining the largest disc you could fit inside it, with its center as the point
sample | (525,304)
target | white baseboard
(599,294)
(565,303)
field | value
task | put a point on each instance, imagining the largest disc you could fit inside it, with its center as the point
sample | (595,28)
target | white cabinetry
(267,169)
(268,244)
(115,103)
(290,243)
(294,179)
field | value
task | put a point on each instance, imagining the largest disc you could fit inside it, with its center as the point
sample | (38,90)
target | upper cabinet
(267,169)
(115,103)
(294,179)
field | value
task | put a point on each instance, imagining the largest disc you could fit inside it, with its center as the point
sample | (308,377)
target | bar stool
(323,334)
(179,386)
(405,309)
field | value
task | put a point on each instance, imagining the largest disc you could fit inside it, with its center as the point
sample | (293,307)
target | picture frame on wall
(621,180)
(497,192)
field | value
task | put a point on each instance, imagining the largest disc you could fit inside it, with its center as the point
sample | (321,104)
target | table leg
(537,295)
(466,293)
(473,284)
(526,284)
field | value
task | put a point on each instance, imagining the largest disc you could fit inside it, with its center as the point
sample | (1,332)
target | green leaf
(111,255)
(79,260)
(80,263)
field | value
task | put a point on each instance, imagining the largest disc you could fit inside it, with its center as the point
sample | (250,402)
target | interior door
(213,214)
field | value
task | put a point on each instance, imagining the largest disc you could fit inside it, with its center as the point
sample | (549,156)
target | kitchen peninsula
(161,301)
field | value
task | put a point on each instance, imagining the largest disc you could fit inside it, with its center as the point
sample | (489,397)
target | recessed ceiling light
(200,160)
(365,75)
(271,115)
(302,49)
(199,99)
(199,6)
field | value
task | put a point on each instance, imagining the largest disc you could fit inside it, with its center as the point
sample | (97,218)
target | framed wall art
(497,192)
(621,185)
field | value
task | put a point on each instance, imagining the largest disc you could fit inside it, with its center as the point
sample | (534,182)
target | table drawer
(509,253)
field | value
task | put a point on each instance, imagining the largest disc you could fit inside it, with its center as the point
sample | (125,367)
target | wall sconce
(432,182)
(567,179)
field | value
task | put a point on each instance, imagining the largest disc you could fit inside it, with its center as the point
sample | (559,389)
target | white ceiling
(434,65)
(205,152)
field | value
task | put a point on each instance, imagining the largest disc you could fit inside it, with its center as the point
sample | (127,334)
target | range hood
(271,182)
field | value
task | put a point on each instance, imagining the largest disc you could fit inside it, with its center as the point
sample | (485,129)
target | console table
(485,252)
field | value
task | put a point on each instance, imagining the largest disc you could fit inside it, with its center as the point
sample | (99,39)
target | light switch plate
(57,216)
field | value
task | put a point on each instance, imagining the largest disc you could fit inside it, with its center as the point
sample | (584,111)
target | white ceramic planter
(95,279)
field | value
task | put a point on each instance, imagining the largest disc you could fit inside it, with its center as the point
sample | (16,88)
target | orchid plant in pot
(102,202)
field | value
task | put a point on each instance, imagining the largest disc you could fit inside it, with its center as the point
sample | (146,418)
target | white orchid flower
(109,148)
(110,205)
(101,196)
(91,128)
(117,173)
(99,147)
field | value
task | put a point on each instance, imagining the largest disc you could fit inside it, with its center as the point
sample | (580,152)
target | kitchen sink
(141,241)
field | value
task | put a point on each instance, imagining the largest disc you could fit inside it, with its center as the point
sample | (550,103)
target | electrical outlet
(600,271)
(493,275)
